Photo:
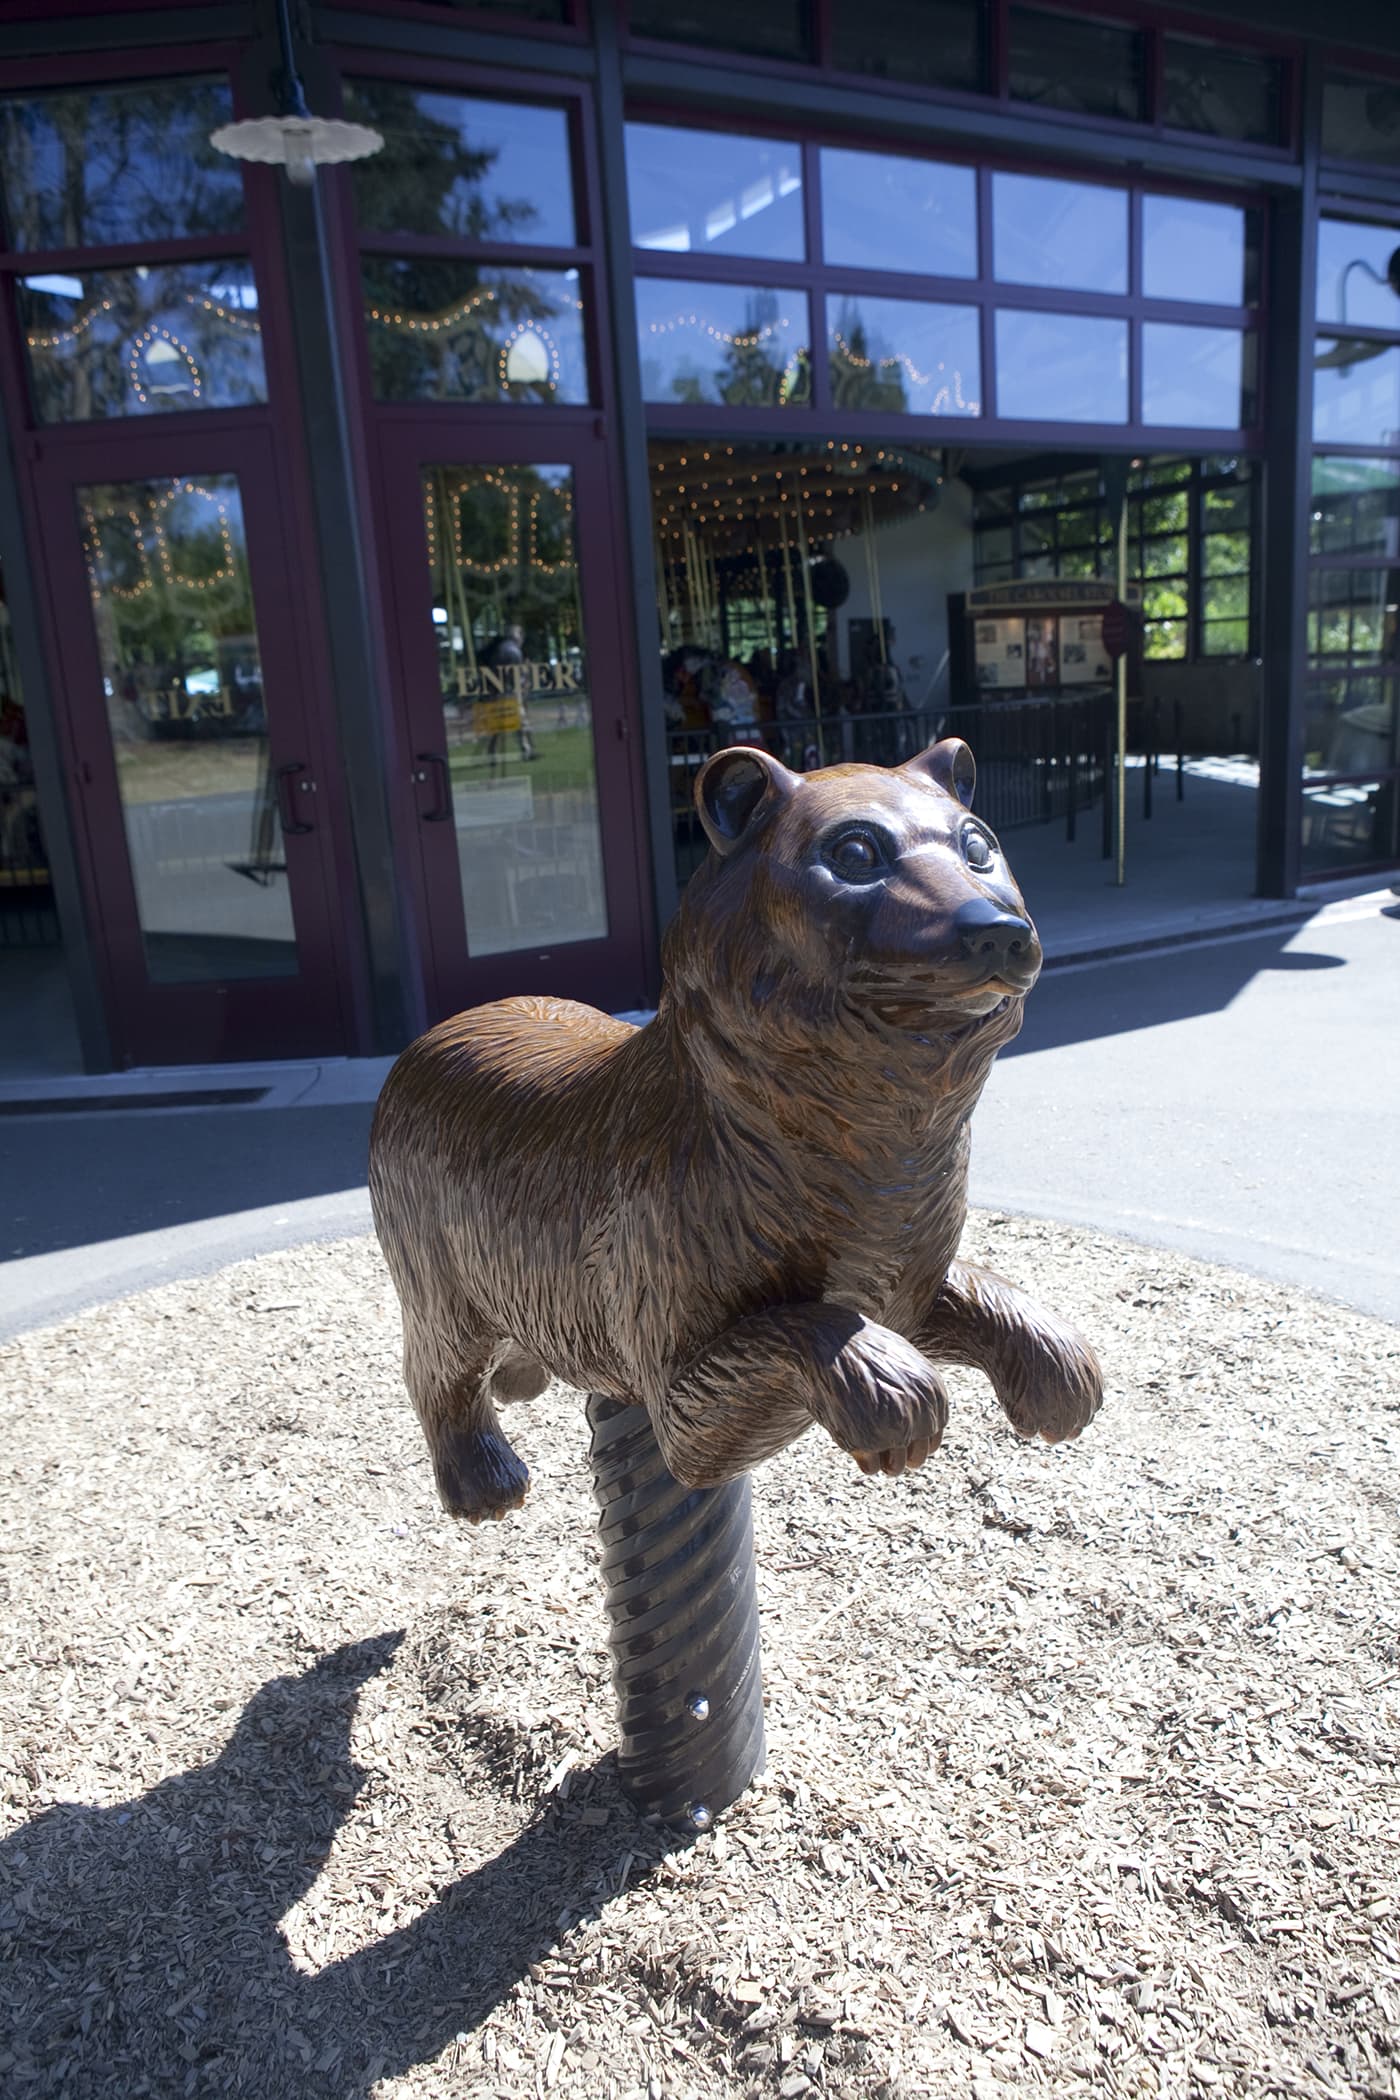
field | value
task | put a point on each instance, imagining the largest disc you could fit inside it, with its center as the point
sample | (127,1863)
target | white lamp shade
(298,144)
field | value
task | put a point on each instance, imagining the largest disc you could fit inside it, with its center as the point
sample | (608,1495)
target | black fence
(1038,761)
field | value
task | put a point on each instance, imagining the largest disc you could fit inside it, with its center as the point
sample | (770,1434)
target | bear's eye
(978,850)
(856,856)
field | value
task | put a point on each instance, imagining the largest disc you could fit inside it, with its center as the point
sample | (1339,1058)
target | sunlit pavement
(1232,1097)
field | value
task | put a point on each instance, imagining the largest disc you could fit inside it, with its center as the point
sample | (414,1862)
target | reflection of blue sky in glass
(1062,368)
(1192,376)
(1192,250)
(927,354)
(520,185)
(1357,403)
(880,212)
(740,344)
(92,167)
(1352,294)
(710,193)
(1069,235)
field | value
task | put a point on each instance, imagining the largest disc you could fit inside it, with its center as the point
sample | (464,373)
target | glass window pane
(1065,62)
(742,345)
(172,603)
(1164,640)
(1195,251)
(484,171)
(518,721)
(1164,557)
(762,28)
(1355,825)
(883,213)
(1198,377)
(1230,94)
(710,193)
(1225,553)
(1166,513)
(1358,273)
(1356,614)
(142,341)
(451,331)
(1072,235)
(924,43)
(1227,507)
(1361,118)
(1062,368)
(903,357)
(1226,598)
(1225,638)
(1356,392)
(104,165)
(1356,506)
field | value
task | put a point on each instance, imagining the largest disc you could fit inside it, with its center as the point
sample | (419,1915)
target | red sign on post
(1115,628)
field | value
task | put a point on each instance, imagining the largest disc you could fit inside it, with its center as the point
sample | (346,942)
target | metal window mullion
(816,294)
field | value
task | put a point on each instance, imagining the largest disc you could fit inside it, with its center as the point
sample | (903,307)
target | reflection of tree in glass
(428,178)
(455,323)
(510,561)
(177,337)
(117,164)
(172,599)
(858,379)
(759,368)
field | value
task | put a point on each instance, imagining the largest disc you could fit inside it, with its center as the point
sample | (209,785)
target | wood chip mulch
(1082,1763)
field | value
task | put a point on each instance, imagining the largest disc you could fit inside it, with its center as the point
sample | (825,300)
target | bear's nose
(993,934)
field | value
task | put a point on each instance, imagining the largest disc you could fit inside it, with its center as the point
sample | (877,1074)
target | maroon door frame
(187,443)
(399,439)
(609,972)
(273,1017)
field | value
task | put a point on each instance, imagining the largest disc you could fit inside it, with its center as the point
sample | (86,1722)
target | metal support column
(683,1612)
(630,449)
(1288,348)
(354,643)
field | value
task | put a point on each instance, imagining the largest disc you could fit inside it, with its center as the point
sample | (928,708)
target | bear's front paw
(882,1401)
(1052,1387)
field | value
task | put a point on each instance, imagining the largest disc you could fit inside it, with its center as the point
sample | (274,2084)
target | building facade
(381,555)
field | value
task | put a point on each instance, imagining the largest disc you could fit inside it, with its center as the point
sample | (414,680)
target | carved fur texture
(745,1215)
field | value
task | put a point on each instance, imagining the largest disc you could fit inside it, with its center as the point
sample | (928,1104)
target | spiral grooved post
(683,1612)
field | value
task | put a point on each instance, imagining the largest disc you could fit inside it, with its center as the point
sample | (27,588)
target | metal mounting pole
(678,1570)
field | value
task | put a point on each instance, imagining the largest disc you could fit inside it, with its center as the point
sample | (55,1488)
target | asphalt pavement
(1234,1098)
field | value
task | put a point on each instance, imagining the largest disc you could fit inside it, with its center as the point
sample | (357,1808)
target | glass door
(514,701)
(207,818)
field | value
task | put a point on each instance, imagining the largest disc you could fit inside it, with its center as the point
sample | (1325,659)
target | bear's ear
(949,765)
(736,789)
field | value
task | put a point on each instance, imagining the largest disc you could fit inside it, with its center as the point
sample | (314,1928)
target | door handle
(442,813)
(292,827)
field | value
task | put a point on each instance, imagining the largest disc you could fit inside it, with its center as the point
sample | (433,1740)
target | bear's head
(870,890)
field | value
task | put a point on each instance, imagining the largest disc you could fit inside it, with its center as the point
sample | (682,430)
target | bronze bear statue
(744,1215)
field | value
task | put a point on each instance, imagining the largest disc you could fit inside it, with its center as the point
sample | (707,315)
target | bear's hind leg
(478,1474)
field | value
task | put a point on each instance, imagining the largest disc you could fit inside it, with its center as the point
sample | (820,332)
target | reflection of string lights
(511,559)
(454,316)
(97,554)
(516,349)
(249,323)
(566,560)
(946,401)
(747,339)
(151,338)
(69,335)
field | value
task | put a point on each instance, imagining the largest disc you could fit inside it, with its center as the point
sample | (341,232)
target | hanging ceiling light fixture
(296,140)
